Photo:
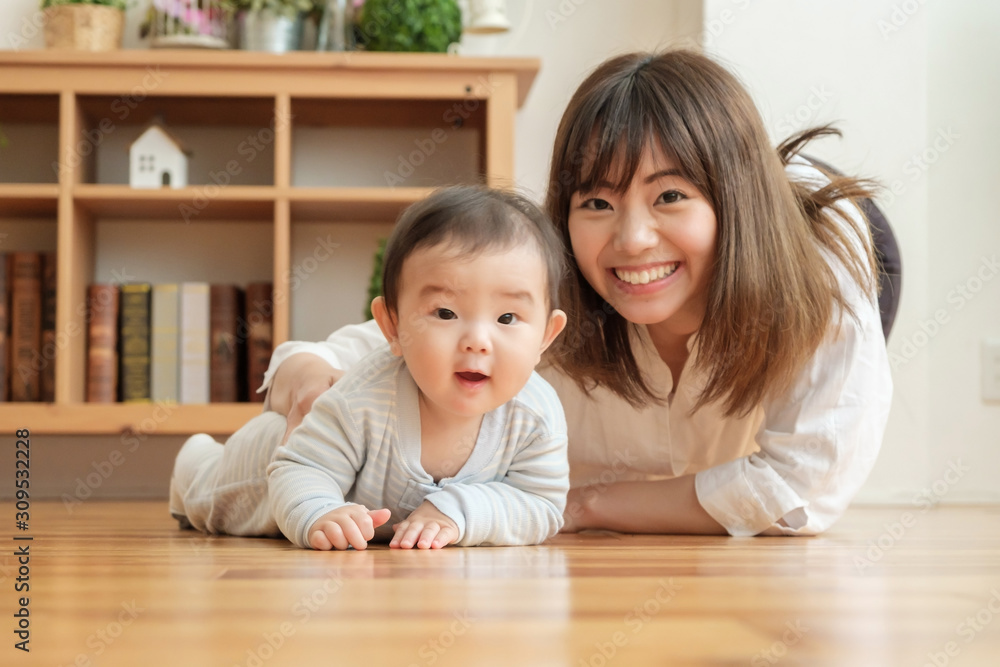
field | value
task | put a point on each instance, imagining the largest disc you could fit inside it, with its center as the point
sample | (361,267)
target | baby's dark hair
(473,219)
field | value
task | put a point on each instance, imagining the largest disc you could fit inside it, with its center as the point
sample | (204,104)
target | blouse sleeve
(819,441)
(344,348)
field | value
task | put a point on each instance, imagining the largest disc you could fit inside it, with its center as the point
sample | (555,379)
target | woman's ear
(387,324)
(557,322)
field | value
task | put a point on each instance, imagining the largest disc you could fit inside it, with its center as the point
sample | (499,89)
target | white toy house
(157,160)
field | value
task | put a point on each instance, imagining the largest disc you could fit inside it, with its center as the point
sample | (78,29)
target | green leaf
(410,25)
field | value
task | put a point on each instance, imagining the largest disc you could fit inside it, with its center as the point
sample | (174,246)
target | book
(133,333)
(164,332)
(102,343)
(48,350)
(25,325)
(259,321)
(224,316)
(4,296)
(193,331)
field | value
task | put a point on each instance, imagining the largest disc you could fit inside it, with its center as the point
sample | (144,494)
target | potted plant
(375,283)
(88,25)
(187,24)
(410,25)
(272,25)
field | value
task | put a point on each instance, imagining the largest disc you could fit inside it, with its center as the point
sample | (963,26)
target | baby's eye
(507,318)
(596,204)
(445,314)
(671,196)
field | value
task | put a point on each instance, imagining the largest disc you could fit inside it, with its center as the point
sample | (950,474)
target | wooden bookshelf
(83,97)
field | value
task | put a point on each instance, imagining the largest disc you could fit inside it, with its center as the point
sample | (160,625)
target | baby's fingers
(427,535)
(407,533)
(319,541)
(338,535)
(328,535)
(447,535)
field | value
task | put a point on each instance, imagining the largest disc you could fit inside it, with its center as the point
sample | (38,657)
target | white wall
(964,92)
(913,86)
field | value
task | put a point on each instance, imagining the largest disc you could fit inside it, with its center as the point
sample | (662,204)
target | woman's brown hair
(773,295)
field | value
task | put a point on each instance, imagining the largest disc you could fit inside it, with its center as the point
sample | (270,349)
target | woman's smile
(643,275)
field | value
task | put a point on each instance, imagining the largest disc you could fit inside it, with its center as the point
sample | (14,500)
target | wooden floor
(119,584)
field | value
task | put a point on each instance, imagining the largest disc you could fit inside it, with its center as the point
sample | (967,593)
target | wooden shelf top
(235,202)
(190,204)
(28,200)
(353,204)
(525,68)
(126,418)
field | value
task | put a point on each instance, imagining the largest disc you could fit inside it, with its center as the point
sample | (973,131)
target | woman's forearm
(298,376)
(667,506)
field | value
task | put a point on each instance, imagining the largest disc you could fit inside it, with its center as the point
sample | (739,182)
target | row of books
(189,342)
(27,326)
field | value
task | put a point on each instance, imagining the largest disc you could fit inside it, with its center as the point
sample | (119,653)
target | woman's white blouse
(790,467)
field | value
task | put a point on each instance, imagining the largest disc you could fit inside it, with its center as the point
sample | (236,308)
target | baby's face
(472,329)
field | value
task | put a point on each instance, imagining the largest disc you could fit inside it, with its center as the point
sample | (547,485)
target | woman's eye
(507,318)
(671,196)
(445,314)
(596,204)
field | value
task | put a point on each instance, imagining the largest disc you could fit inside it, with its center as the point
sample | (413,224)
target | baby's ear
(387,324)
(557,322)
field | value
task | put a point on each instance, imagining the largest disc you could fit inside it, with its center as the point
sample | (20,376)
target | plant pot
(265,30)
(84,27)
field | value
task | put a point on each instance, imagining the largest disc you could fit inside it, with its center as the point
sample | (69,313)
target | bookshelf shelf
(127,418)
(352,204)
(198,202)
(330,138)
(28,200)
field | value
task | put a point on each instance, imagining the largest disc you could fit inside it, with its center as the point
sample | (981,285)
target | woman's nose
(635,233)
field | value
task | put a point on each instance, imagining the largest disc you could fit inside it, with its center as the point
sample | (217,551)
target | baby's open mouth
(646,276)
(472,376)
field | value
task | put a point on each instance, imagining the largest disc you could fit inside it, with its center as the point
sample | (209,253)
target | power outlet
(991,369)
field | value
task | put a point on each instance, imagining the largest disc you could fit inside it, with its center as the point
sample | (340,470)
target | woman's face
(649,252)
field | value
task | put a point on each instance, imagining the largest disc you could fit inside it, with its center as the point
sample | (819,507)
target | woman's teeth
(647,276)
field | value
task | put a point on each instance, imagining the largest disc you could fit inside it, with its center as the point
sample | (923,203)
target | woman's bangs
(611,157)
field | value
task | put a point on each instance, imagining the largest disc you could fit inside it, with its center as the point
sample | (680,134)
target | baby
(445,436)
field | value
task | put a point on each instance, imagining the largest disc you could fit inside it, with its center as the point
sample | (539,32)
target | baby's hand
(425,528)
(350,525)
